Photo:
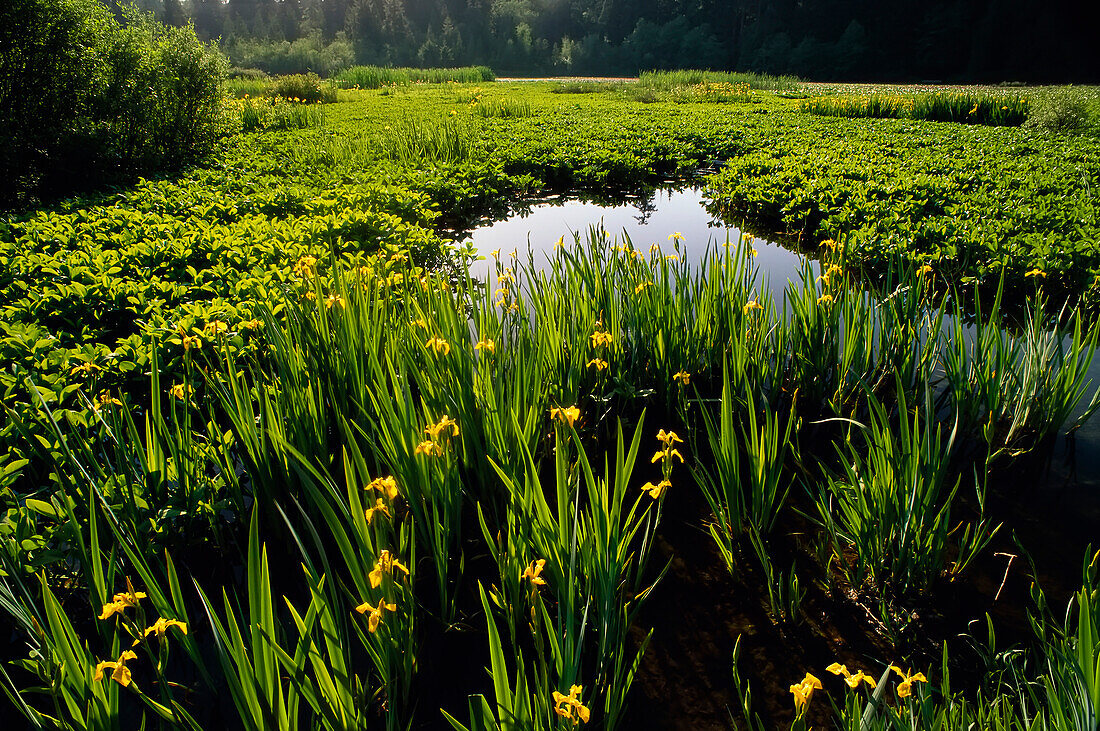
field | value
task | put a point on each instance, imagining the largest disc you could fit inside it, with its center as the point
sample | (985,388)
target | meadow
(273,459)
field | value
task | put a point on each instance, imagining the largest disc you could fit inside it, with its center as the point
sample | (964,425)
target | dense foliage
(977,40)
(271,459)
(87,97)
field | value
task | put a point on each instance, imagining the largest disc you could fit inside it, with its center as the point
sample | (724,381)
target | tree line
(884,40)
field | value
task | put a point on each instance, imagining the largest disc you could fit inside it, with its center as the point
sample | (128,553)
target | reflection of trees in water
(646,205)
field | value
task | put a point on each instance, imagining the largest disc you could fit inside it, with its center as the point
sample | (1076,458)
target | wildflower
(160,627)
(250,325)
(439,345)
(753,251)
(532,572)
(676,237)
(682,376)
(385,485)
(905,687)
(1036,273)
(825,299)
(570,706)
(486,345)
(599,338)
(641,286)
(654,249)
(567,415)
(307,266)
(803,692)
(421,323)
(334,300)
(495,253)
(672,257)
(181,391)
(434,430)
(655,491)
(119,672)
(926,269)
(385,564)
(428,448)
(853,681)
(375,617)
(560,242)
(310,295)
(216,327)
(122,600)
(105,399)
(86,368)
(379,507)
(599,364)
(669,439)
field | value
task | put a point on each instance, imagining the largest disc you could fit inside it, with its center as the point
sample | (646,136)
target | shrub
(1059,109)
(306,88)
(86,98)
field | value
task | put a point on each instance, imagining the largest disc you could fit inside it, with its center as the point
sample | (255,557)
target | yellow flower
(439,345)
(567,415)
(495,253)
(307,265)
(599,364)
(926,269)
(1036,273)
(379,507)
(181,391)
(676,237)
(752,305)
(375,613)
(250,325)
(570,706)
(853,681)
(641,286)
(682,376)
(560,242)
(106,399)
(385,564)
(825,299)
(532,572)
(333,300)
(122,601)
(599,338)
(428,448)
(160,627)
(803,692)
(86,368)
(668,437)
(386,485)
(434,430)
(120,673)
(486,345)
(905,687)
(655,491)
(216,327)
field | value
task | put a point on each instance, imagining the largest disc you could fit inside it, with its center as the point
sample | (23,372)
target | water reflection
(1072,474)
(646,220)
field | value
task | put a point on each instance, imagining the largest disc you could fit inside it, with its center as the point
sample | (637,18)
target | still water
(1073,474)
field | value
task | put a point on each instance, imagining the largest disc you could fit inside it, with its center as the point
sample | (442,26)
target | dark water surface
(1074,468)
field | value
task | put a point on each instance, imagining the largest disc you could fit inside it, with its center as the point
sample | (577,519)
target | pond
(1069,475)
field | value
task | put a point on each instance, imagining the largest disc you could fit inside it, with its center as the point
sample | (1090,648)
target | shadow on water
(1049,498)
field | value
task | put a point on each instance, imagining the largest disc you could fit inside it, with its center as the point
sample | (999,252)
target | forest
(986,41)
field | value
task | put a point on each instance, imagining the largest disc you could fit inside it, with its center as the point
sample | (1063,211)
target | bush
(86,98)
(1059,109)
(306,88)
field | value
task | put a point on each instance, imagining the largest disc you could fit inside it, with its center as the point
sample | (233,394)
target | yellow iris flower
(905,687)
(386,485)
(119,672)
(568,415)
(385,564)
(375,617)
(804,692)
(570,706)
(532,572)
(853,681)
